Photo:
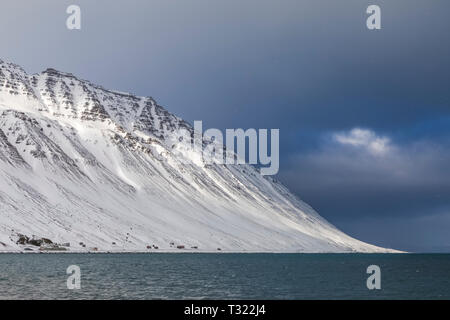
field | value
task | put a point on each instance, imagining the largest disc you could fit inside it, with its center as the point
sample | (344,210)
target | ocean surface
(224,276)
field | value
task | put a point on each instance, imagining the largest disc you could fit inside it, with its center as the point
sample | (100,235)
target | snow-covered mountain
(104,170)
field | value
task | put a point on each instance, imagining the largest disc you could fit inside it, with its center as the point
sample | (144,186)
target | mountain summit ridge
(100,170)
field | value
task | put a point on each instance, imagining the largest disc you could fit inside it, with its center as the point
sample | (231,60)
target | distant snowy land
(85,169)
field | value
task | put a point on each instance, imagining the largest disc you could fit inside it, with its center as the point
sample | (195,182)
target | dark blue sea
(224,276)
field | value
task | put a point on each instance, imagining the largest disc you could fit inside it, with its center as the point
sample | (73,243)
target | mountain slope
(104,170)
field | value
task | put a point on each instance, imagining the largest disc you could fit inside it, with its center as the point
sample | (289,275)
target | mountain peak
(54,72)
(63,96)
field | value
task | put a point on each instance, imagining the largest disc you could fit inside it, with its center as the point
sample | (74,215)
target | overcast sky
(364,116)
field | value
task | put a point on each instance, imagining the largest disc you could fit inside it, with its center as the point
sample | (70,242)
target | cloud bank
(360,175)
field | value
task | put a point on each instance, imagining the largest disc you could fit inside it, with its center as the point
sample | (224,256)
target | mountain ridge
(103,170)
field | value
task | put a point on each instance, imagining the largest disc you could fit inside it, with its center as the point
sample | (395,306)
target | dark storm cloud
(310,68)
(369,177)
(360,180)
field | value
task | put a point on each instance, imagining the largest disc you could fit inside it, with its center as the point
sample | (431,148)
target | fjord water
(224,276)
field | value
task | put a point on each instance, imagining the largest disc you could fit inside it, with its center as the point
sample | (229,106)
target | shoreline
(203,252)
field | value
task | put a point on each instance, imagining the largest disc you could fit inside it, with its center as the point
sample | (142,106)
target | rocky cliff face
(104,170)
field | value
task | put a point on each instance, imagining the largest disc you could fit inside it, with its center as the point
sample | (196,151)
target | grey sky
(310,68)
